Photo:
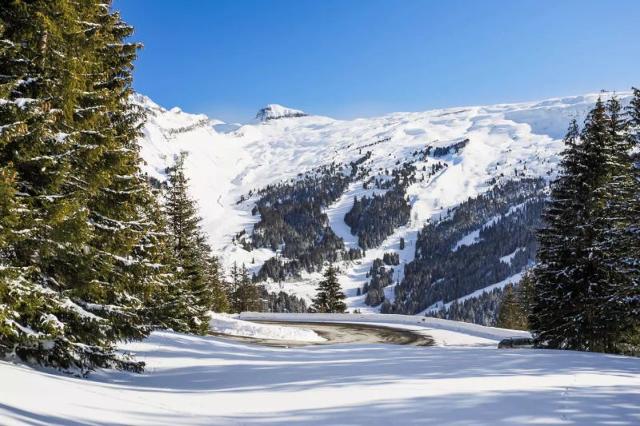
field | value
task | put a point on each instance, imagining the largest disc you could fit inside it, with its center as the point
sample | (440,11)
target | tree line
(447,267)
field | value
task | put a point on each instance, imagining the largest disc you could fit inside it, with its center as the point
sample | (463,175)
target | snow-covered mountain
(452,155)
(275,111)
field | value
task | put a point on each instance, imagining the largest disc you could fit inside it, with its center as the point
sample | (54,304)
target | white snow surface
(226,161)
(192,380)
(275,111)
(226,324)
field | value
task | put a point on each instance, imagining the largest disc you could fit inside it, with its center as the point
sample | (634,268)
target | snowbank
(488,334)
(225,324)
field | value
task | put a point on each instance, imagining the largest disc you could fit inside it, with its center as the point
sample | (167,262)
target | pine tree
(554,281)
(79,273)
(586,258)
(219,298)
(246,295)
(633,118)
(626,235)
(192,292)
(511,314)
(616,244)
(120,273)
(329,296)
(234,284)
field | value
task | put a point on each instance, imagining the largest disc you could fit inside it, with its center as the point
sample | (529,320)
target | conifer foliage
(245,294)
(515,306)
(586,280)
(329,296)
(197,287)
(77,262)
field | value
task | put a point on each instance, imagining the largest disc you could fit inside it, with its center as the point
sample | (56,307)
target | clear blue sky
(352,58)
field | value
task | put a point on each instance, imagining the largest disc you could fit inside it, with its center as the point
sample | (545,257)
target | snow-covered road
(210,381)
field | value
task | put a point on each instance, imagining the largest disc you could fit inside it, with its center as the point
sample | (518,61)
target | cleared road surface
(337,333)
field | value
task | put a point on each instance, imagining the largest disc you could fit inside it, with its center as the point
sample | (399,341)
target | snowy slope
(226,161)
(193,380)
(228,325)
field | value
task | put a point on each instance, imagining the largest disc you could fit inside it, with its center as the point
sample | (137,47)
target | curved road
(337,333)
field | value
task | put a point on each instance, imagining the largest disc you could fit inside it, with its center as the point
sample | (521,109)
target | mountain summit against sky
(275,111)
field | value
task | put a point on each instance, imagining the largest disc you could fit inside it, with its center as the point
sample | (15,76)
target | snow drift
(225,324)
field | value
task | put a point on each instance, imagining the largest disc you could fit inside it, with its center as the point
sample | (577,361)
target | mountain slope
(303,171)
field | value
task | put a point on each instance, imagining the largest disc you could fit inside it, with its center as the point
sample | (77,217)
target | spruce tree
(329,296)
(623,240)
(246,293)
(192,291)
(555,304)
(120,275)
(234,284)
(616,244)
(79,274)
(219,297)
(511,315)
(586,261)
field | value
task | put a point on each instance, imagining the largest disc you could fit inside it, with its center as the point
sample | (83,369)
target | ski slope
(227,161)
(193,380)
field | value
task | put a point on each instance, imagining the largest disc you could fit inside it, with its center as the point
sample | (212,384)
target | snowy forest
(94,251)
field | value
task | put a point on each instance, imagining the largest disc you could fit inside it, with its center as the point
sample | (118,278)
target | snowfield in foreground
(225,324)
(207,380)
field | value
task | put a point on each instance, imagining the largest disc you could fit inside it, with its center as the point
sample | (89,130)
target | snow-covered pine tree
(53,58)
(632,294)
(584,258)
(120,274)
(219,297)
(192,292)
(556,305)
(246,293)
(616,243)
(633,119)
(329,296)
(233,284)
(601,176)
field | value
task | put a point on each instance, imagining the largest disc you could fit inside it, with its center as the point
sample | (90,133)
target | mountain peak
(275,111)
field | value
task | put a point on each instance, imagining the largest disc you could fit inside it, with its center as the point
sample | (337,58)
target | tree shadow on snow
(221,366)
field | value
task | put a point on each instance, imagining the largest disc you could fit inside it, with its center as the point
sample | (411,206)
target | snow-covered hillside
(228,161)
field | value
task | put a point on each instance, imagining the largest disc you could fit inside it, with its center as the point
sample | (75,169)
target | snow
(225,324)
(513,279)
(474,236)
(191,380)
(508,258)
(226,161)
(275,111)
